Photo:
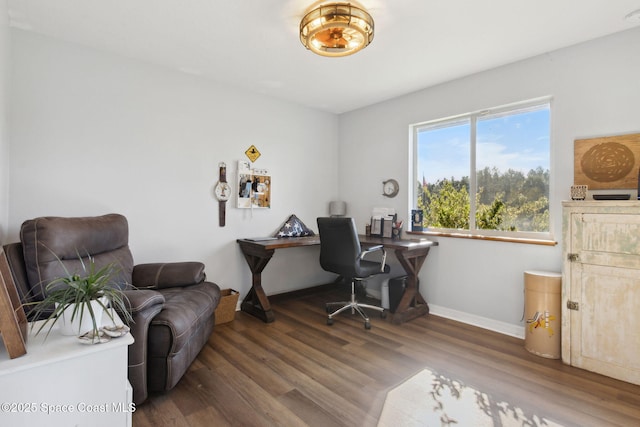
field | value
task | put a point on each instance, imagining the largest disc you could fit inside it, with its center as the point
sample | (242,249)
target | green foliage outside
(508,201)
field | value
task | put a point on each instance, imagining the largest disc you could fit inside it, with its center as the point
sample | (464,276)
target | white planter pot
(75,326)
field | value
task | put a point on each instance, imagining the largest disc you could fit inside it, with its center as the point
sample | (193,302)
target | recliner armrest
(139,300)
(167,275)
(143,304)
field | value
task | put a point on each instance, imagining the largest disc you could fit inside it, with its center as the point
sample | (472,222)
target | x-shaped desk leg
(412,304)
(256,302)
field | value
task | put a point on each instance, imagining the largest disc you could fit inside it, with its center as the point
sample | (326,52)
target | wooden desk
(410,253)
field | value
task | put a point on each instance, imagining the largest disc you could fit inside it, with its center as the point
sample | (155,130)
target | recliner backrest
(52,247)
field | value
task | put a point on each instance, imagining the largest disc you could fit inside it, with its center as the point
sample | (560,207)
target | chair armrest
(167,275)
(376,248)
(143,305)
(371,249)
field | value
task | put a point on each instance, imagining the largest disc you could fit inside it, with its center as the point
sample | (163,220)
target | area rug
(434,400)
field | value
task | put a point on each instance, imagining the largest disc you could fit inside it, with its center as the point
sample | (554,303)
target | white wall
(596,92)
(94,133)
(4,144)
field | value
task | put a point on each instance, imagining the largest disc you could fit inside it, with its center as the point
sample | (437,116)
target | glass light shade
(336,29)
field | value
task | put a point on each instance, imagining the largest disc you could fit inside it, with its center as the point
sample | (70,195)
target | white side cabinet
(601,287)
(62,382)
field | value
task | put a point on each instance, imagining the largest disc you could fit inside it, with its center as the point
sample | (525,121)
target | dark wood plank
(13,321)
(299,371)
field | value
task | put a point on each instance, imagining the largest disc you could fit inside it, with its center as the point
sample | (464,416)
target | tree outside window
(485,172)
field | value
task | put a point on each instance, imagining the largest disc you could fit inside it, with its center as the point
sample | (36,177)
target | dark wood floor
(298,371)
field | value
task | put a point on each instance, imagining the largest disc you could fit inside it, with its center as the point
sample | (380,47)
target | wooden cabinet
(601,287)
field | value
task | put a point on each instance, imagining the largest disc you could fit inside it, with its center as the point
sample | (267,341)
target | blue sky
(517,141)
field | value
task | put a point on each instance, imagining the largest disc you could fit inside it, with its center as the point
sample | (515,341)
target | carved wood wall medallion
(607,163)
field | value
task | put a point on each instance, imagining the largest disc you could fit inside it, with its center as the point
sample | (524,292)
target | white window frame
(414,179)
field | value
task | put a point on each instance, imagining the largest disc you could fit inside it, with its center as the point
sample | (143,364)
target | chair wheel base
(367,325)
(329,322)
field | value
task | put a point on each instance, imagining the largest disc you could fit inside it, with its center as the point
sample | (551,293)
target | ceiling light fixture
(336,29)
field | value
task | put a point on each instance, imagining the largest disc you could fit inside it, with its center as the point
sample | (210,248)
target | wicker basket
(226,310)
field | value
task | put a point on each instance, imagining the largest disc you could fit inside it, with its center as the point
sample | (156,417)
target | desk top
(397,243)
(292,242)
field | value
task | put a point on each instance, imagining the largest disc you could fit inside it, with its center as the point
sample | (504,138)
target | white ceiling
(254,44)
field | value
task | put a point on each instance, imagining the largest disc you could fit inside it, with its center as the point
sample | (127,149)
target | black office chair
(340,253)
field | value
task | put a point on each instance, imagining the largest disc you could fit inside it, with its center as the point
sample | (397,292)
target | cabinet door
(605,281)
(605,334)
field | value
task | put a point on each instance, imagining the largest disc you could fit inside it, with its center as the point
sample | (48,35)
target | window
(487,172)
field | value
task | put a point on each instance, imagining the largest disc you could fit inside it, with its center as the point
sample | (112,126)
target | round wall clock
(390,188)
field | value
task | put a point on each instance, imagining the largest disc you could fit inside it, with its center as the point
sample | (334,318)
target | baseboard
(470,319)
(302,292)
(448,313)
(479,321)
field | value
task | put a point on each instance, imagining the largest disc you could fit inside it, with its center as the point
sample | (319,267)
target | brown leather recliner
(171,303)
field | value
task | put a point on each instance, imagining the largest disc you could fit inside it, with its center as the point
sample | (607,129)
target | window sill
(481,237)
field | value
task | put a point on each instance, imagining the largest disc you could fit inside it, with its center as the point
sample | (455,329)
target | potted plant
(80,299)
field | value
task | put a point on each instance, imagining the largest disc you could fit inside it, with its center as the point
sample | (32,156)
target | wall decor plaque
(610,162)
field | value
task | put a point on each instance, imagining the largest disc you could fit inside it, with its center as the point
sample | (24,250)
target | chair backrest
(52,244)
(339,246)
